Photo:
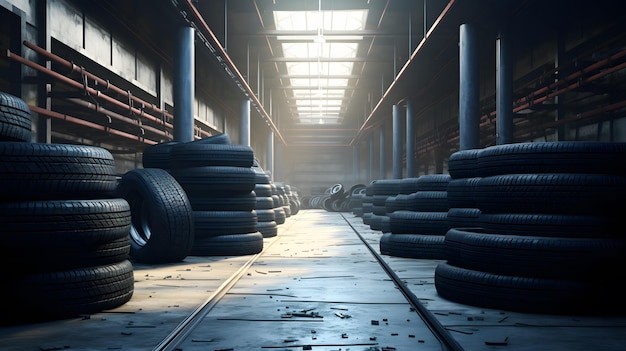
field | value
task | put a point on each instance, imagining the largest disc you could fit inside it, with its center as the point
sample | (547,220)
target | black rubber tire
(158,155)
(264,203)
(463,164)
(528,295)
(388,186)
(432,182)
(67,294)
(57,235)
(214,223)
(199,155)
(413,246)
(424,223)
(229,245)
(15,119)
(162,223)
(211,180)
(430,201)
(459,217)
(262,177)
(584,194)
(356,189)
(461,192)
(261,189)
(266,215)
(279,215)
(553,157)
(268,229)
(533,256)
(223,202)
(566,226)
(336,191)
(36,171)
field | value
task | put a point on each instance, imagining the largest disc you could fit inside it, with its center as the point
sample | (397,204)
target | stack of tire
(294,199)
(419,230)
(463,170)
(383,189)
(65,242)
(368,203)
(279,209)
(265,203)
(550,238)
(219,182)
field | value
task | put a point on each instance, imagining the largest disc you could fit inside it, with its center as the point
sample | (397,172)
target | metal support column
(410,140)
(383,159)
(469,119)
(504,89)
(278,164)
(244,128)
(184,78)
(42,124)
(397,142)
(270,154)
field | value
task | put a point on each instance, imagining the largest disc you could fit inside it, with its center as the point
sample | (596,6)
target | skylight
(320,81)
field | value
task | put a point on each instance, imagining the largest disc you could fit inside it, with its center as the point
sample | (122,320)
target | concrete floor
(316,264)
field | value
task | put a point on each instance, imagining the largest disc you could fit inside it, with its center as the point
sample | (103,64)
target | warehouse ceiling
(321,66)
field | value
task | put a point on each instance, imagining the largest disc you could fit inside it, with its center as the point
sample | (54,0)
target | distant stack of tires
(335,198)
(219,182)
(265,203)
(65,242)
(548,238)
(418,221)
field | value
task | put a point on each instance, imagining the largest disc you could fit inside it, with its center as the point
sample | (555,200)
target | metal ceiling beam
(323,59)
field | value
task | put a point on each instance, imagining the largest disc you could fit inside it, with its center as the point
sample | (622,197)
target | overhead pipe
(117,116)
(98,80)
(88,124)
(227,63)
(94,92)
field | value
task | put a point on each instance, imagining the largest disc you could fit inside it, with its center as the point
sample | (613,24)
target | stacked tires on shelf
(547,238)
(65,242)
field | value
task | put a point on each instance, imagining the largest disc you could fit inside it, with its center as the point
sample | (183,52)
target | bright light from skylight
(318,91)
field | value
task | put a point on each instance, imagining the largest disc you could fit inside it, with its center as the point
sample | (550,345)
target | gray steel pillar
(383,159)
(278,164)
(184,78)
(397,142)
(244,127)
(504,89)
(469,119)
(410,140)
(371,163)
(270,153)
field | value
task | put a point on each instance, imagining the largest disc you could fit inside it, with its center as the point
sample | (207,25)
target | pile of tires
(418,221)
(218,180)
(266,203)
(336,198)
(65,241)
(549,237)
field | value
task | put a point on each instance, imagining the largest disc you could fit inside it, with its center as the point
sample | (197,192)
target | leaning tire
(162,221)
(15,119)
(229,245)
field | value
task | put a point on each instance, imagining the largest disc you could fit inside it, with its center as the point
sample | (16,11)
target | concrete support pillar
(469,119)
(184,85)
(278,162)
(397,142)
(244,127)
(382,151)
(504,89)
(270,153)
(410,140)
(371,163)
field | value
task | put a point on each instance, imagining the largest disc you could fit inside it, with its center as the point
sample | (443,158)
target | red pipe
(99,80)
(79,121)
